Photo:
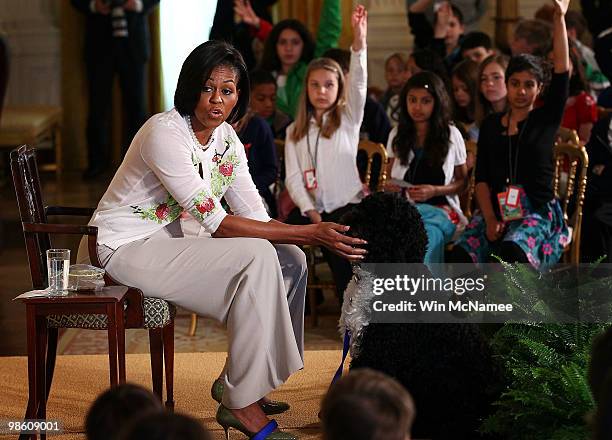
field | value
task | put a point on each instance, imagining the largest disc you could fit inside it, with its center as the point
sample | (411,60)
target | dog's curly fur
(448,368)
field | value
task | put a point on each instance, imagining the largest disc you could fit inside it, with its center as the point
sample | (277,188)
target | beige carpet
(80,378)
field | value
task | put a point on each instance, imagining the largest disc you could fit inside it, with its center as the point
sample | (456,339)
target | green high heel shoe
(269,408)
(227,420)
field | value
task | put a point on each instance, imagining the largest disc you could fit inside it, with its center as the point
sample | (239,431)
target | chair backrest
(574,191)
(4,70)
(31,210)
(373,149)
(568,136)
(471,147)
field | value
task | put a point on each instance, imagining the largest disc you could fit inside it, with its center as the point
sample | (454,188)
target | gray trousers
(255,288)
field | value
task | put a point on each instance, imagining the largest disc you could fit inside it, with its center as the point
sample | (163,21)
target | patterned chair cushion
(157,313)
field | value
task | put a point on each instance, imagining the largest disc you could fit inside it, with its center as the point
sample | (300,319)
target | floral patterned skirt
(541,234)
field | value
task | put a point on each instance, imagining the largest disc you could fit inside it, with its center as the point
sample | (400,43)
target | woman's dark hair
(270,60)
(435,148)
(529,63)
(116,407)
(467,72)
(427,59)
(197,68)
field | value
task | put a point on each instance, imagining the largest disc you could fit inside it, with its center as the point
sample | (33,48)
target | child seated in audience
(600,383)
(258,140)
(520,218)
(116,408)
(395,75)
(576,25)
(290,47)
(597,212)
(428,153)
(445,35)
(367,405)
(531,37)
(321,145)
(476,46)
(465,92)
(580,108)
(492,90)
(165,426)
(263,102)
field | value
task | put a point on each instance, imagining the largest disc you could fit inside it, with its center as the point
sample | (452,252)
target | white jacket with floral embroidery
(159,178)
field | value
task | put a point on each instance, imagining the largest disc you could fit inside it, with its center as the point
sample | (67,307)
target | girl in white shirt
(428,157)
(186,160)
(321,145)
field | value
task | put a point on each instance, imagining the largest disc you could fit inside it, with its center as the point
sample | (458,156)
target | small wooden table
(107,301)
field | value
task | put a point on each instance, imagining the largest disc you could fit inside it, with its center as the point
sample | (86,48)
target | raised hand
(359,22)
(561,6)
(443,15)
(243,9)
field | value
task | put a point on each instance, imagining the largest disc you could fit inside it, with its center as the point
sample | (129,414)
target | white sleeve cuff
(261,216)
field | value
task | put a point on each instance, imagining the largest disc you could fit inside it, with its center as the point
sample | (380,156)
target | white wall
(182,28)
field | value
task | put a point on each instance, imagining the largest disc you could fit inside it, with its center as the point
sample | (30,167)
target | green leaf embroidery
(165,212)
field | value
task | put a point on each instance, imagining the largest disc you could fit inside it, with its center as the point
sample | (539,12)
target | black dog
(448,368)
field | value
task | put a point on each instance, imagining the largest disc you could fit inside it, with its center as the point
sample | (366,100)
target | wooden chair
(372,149)
(574,192)
(153,314)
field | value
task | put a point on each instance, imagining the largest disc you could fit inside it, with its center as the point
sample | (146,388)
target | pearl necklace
(195,138)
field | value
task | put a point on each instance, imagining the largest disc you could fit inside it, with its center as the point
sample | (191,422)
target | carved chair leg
(168,341)
(51,356)
(32,408)
(157,367)
(41,388)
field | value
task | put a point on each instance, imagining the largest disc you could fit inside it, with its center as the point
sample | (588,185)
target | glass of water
(58,265)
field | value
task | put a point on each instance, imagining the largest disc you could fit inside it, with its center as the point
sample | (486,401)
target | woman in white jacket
(236,268)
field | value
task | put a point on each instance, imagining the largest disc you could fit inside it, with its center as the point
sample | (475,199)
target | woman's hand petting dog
(332,236)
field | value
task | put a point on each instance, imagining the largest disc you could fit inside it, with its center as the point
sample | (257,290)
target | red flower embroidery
(206,206)
(215,159)
(162,211)
(547,249)
(226,169)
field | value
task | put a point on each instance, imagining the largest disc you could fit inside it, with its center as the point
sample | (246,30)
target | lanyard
(513,170)
(313,160)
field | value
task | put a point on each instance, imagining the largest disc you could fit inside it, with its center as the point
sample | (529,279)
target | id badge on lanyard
(310,179)
(510,206)
(310,175)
